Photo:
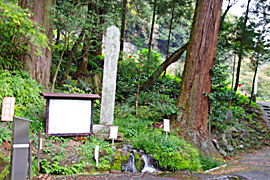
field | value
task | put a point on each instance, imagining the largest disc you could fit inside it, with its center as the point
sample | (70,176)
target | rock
(222,152)
(229,115)
(233,129)
(224,140)
(257,112)
(244,131)
(235,135)
(215,143)
(240,146)
(115,171)
(259,137)
(230,148)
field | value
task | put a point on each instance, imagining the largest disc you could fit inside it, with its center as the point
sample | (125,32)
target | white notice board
(68,116)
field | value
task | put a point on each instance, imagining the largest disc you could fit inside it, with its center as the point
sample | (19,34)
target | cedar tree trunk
(192,102)
(39,67)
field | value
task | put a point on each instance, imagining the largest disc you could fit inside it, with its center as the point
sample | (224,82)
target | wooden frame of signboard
(69,114)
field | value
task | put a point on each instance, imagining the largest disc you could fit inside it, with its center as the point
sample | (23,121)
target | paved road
(140,176)
(257,163)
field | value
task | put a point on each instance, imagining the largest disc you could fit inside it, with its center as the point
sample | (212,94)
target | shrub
(208,163)
(172,153)
(28,101)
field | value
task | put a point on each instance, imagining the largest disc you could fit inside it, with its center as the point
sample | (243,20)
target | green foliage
(209,163)
(160,100)
(5,133)
(172,153)
(28,102)
(76,86)
(128,123)
(106,153)
(56,163)
(136,67)
(55,168)
(17,32)
(5,173)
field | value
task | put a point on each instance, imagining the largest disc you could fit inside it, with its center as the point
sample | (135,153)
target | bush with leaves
(28,101)
(17,32)
(172,153)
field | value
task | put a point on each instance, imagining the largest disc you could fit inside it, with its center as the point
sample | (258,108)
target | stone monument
(112,48)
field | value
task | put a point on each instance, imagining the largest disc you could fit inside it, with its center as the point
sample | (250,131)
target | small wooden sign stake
(113,133)
(96,154)
(166,123)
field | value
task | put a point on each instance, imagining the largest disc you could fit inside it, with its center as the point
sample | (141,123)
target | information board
(69,116)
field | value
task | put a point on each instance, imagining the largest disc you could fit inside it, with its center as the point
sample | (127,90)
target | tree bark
(151,35)
(70,54)
(192,102)
(169,37)
(123,27)
(173,58)
(84,59)
(253,96)
(241,52)
(39,67)
(95,48)
(58,65)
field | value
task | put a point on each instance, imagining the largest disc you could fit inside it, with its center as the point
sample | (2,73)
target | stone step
(103,132)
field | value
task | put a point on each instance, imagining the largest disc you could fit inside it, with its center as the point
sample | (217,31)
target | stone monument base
(103,132)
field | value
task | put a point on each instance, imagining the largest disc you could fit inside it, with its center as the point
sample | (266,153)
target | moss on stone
(124,157)
(116,163)
(4,174)
(138,161)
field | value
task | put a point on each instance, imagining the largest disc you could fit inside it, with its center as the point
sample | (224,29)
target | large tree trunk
(39,67)
(241,52)
(173,58)
(123,27)
(192,102)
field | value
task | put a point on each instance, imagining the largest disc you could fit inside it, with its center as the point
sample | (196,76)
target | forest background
(57,46)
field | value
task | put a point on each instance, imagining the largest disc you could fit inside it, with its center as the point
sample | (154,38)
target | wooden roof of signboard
(70,96)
